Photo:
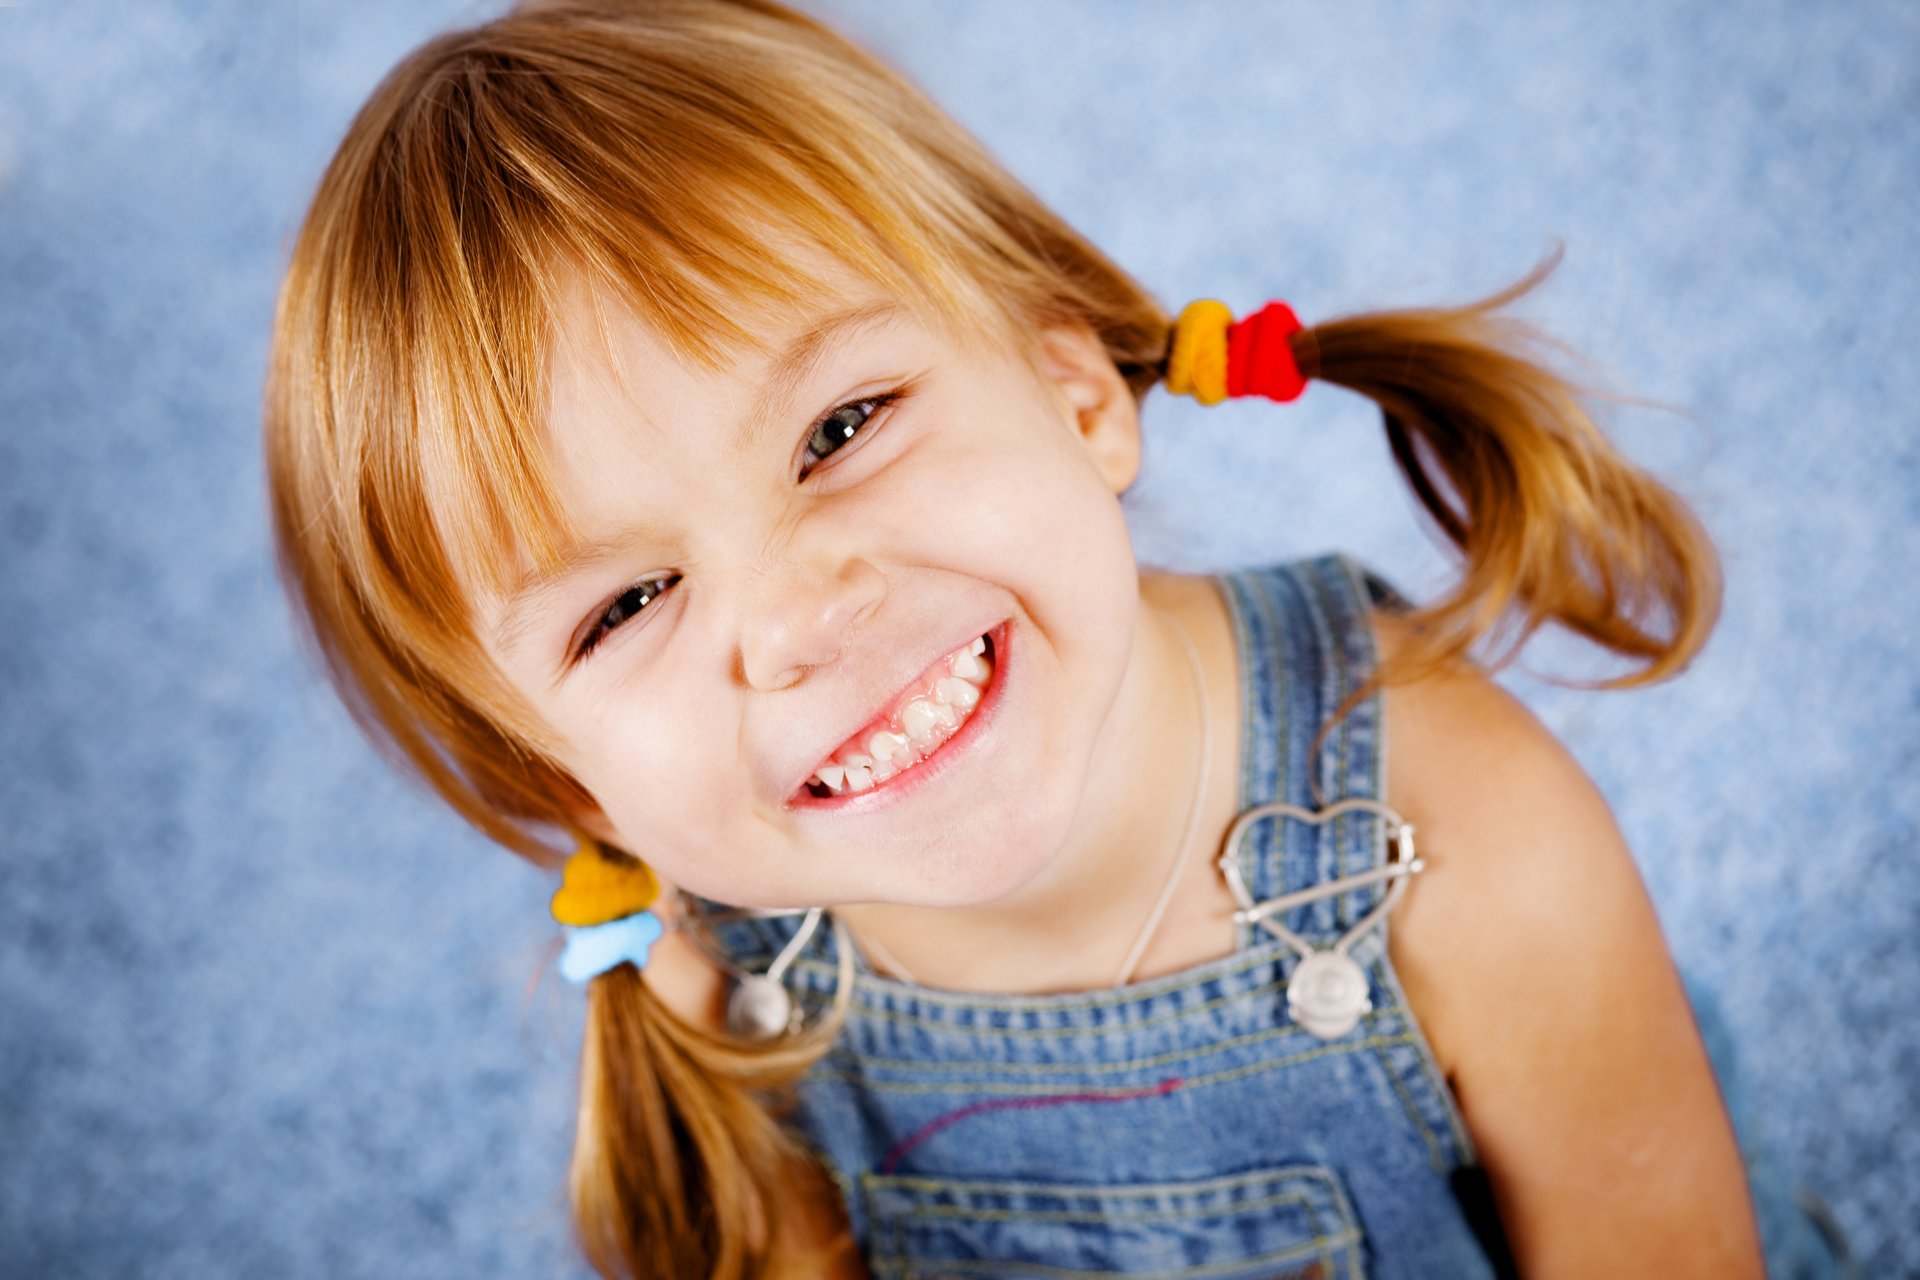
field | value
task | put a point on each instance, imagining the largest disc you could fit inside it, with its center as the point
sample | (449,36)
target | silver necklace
(1326,994)
(760,1006)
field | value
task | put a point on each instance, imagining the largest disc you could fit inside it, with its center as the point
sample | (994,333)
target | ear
(1105,416)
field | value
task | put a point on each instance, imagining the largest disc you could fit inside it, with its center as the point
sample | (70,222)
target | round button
(1327,994)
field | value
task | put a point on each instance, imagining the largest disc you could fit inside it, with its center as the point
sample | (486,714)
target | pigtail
(677,152)
(681,1166)
(1553,523)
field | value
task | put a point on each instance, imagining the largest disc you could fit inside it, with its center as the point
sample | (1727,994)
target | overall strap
(1305,644)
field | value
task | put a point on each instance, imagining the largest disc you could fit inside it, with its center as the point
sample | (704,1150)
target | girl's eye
(825,438)
(842,424)
(624,606)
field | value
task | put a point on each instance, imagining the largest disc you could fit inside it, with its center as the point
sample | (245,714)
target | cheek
(646,763)
(1065,524)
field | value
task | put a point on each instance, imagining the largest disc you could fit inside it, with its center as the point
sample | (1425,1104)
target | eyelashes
(625,605)
(826,437)
(843,423)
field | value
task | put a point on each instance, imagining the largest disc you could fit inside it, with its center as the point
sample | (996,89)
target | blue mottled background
(266,1011)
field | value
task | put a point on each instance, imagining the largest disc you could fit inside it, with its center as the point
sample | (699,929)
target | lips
(911,728)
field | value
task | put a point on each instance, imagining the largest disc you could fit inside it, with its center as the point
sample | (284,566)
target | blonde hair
(662,149)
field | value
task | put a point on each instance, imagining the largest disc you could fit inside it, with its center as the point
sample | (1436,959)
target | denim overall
(1185,1125)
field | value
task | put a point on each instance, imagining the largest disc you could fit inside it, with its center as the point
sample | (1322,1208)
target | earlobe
(1106,417)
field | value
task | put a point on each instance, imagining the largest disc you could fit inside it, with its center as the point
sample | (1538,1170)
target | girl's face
(779,549)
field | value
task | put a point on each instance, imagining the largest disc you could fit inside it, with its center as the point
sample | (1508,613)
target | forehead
(599,344)
(604,345)
(618,390)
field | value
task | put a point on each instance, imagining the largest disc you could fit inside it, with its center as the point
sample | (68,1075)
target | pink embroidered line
(935,1125)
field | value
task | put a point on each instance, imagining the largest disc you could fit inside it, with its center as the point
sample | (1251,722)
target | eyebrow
(536,587)
(790,372)
(784,378)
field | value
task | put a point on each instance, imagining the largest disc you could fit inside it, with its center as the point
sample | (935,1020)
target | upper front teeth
(924,723)
(958,693)
(919,719)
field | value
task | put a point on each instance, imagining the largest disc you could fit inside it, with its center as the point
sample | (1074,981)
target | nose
(801,618)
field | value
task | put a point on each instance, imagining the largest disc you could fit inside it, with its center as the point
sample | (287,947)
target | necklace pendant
(760,1009)
(1327,994)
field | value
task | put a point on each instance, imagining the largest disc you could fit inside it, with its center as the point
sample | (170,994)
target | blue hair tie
(594,949)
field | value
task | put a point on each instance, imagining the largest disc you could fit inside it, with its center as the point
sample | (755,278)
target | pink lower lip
(950,753)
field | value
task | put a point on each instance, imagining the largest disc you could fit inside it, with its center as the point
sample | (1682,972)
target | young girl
(688,447)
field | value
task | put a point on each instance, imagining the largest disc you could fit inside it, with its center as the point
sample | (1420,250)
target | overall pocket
(1287,1223)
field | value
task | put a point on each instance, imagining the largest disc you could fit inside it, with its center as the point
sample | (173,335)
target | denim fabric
(1185,1125)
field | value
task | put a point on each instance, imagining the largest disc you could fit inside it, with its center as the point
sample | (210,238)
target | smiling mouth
(922,722)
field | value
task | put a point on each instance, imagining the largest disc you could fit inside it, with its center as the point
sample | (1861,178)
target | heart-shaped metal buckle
(1327,993)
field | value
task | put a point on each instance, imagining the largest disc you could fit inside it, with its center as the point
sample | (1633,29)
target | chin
(987,869)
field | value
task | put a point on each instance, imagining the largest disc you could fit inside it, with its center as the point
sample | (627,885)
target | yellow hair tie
(600,885)
(1197,365)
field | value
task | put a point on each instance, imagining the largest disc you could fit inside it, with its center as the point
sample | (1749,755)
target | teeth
(925,722)
(919,720)
(889,748)
(957,693)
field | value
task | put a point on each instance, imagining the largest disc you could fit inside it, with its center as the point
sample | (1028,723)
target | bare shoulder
(1509,825)
(1534,961)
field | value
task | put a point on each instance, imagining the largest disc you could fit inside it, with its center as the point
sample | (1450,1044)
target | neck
(1070,927)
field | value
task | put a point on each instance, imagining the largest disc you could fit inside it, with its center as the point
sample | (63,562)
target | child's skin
(988,494)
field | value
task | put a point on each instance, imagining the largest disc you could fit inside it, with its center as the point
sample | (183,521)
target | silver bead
(759,1008)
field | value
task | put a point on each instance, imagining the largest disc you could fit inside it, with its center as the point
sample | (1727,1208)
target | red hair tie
(1213,357)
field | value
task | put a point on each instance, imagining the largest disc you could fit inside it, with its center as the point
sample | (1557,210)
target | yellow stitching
(1407,1103)
(1327,616)
(1265,953)
(1334,609)
(1190,1082)
(1282,644)
(1195,1214)
(1320,1245)
(1358,662)
(1177,1055)
(1203,1186)
(1434,1151)
(1430,1068)
(1246,934)
(1324,617)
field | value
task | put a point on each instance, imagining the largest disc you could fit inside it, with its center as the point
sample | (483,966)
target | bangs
(716,166)
(693,177)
